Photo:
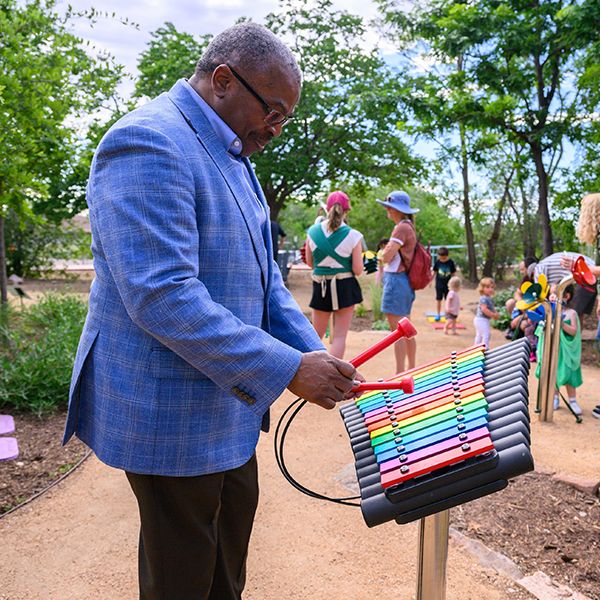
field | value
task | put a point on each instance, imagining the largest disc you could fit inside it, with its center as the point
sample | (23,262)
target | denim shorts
(398,296)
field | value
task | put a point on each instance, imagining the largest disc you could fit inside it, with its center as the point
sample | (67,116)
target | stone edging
(538,584)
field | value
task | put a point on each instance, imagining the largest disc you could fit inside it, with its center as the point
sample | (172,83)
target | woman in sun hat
(398,297)
(334,250)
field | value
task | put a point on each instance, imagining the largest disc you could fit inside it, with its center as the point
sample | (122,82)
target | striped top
(550,266)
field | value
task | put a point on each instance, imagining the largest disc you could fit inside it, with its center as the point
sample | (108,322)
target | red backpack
(419,272)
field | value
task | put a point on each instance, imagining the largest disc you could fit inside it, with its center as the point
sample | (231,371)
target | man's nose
(275,129)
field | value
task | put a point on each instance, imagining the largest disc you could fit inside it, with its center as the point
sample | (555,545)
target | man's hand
(324,379)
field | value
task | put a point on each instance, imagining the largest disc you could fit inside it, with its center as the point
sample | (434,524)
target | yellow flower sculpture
(533,293)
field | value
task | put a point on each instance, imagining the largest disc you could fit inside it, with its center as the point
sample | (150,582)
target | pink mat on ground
(442,325)
(7,424)
(9,448)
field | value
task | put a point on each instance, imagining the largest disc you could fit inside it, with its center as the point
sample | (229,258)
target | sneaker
(576,408)
(532,357)
(437,318)
(596,412)
(556,402)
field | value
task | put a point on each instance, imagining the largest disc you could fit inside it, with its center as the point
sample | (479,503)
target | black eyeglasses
(273,117)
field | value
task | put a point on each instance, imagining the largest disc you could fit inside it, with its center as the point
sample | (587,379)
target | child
(485,311)
(452,307)
(444,268)
(568,371)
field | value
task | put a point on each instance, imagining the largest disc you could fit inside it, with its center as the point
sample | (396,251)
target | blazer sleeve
(287,321)
(142,197)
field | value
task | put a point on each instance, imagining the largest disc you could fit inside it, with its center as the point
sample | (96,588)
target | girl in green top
(568,372)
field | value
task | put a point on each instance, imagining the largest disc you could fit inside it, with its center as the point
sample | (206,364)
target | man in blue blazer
(191,334)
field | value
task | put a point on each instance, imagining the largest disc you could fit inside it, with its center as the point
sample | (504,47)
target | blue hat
(400,201)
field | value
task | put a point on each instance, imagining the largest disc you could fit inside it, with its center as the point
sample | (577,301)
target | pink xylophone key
(450,457)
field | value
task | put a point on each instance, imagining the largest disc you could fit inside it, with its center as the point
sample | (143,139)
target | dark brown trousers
(194,533)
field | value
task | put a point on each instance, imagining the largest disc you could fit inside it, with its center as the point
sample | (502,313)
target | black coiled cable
(280,435)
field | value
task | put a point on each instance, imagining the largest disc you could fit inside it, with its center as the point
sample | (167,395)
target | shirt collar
(226,135)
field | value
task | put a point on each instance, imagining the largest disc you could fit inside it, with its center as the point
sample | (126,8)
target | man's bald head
(250,46)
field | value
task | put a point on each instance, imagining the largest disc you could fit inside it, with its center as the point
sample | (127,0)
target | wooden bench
(9,449)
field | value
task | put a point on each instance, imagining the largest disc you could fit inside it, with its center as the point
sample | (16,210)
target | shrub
(360,310)
(376,293)
(37,353)
(381,325)
(500,298)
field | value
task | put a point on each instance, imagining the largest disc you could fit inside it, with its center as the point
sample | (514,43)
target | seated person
(526,267)
(522,326)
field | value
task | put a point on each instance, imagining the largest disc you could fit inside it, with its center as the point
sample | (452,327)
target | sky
(196,17)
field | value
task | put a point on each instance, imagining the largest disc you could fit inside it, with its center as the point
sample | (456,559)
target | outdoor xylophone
(461,434)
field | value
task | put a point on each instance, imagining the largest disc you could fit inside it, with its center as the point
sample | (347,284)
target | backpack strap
(408,267)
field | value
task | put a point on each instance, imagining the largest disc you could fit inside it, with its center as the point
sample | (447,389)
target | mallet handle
(407,385)
(405,329)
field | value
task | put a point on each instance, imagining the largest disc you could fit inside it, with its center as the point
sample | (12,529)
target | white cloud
(196,17)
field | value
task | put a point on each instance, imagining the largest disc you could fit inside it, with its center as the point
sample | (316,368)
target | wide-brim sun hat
(400,201)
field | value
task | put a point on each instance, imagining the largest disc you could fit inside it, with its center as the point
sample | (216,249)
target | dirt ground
(309,549)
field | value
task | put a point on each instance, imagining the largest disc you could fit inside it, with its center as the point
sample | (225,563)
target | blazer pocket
(166,364)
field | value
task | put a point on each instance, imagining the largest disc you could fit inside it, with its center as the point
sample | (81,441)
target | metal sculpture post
(433,556)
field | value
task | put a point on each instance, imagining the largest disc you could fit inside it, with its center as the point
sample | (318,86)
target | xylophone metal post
(544,399)
(547,383)
(433,556)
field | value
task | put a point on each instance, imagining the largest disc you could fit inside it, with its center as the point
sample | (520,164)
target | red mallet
(405,329)
(407,385)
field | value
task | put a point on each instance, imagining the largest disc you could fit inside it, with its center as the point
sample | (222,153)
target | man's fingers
(344,385)
(327,403)
(345,368)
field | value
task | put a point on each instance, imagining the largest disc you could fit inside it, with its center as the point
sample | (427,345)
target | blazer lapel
(205,134)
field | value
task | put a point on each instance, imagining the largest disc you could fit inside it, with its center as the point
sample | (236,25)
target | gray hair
(248,44)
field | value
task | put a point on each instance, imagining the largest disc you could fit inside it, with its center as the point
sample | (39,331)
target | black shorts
(348,293)
(441,289)
(583,300)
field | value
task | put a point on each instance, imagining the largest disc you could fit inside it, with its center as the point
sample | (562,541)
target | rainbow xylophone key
(461,434)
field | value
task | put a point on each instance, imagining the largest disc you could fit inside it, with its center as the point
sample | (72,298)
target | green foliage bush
(360,310)
(33,242)
(500,299)
(376,293)
(381,325)
(37,350)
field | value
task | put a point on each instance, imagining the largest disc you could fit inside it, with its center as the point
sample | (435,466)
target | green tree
(49,82)
(346,129)
(170,55)
(527,60)
(434,222)
(347,124)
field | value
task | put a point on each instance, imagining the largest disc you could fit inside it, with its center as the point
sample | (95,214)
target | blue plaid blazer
(191,334)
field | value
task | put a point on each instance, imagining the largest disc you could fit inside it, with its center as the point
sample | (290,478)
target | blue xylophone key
(453,431)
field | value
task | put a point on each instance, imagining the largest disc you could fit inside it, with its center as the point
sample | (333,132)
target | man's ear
(221,80)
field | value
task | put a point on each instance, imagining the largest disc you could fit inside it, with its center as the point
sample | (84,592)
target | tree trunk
(543,210)
(3,274)
(467,206)
(490,260)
